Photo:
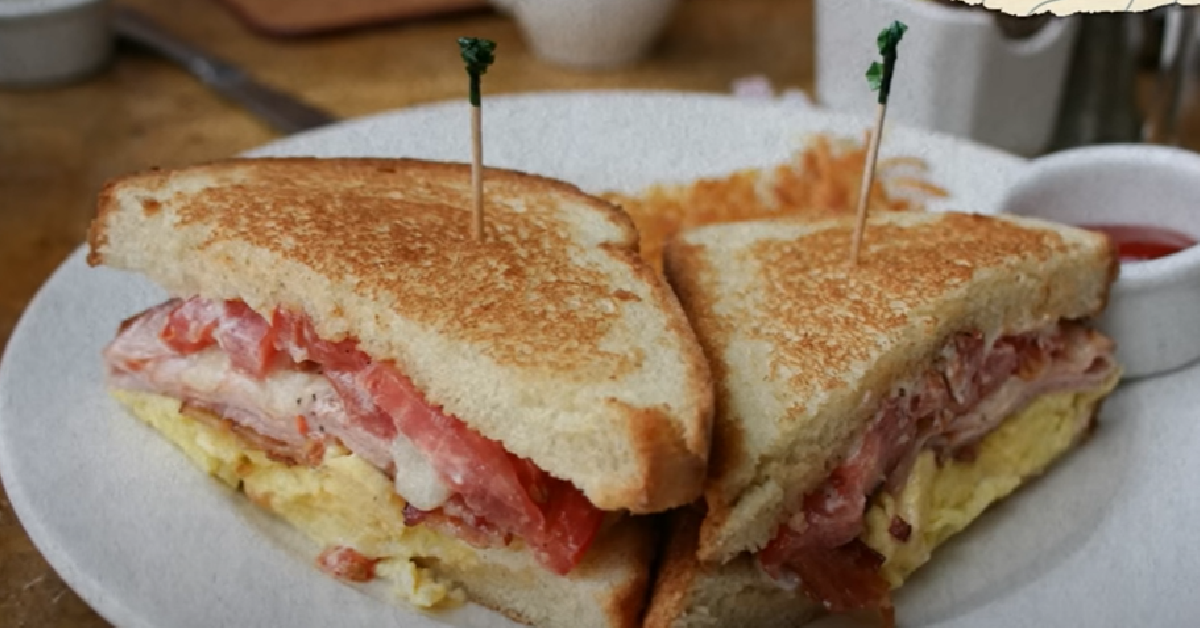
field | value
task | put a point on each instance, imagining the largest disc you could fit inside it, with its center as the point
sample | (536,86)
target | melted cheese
(344,501)
(939,502)
(416,479)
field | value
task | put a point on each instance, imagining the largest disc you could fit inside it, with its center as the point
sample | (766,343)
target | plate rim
(891,126)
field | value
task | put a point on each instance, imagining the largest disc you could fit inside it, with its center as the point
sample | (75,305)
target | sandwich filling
(974,384)
(284,390)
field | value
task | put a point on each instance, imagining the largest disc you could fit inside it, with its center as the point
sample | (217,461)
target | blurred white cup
(957,72)
(47,42)
(594,34)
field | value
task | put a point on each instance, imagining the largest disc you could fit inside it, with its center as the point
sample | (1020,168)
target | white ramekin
(1154,308)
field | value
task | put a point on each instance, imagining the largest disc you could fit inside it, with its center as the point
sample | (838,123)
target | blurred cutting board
(306,17)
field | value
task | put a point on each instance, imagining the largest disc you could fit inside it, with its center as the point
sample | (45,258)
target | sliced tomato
(247,337)
(572,523)
(189,327)
(552,516)
(296,335)
(476,467)
(537,483)
(571,520)
(498,494)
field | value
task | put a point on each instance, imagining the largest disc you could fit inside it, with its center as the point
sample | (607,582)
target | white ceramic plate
(149,541)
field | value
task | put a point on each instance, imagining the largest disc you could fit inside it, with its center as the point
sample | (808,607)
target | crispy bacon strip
(900,529)
(966,395)
(345,563)
(841,577)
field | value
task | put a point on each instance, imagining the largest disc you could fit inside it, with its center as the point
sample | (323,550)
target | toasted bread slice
(345,501)
(551,335)
(801,342)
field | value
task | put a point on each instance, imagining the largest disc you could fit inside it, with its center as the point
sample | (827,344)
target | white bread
(347,502)
(802,346)
(689,593)
(551,336)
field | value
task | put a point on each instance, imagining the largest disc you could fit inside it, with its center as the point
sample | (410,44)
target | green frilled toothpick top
(478,54)
(879,75)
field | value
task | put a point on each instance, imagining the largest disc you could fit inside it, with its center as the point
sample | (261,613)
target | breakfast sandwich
(866,413)
(447,414)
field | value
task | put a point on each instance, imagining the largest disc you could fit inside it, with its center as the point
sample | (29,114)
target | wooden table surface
(57,146)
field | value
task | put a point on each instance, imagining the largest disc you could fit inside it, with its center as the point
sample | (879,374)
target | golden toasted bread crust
(625,605)
(677,570)
(727,452)
(358,231)
(666,459)
(673,460)
(1114,270)
(802,345)
(524,335)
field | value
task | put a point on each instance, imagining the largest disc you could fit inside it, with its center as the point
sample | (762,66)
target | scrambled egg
(939,502)
(344,501)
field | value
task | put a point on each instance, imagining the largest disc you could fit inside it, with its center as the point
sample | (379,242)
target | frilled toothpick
(478,55)
(879,76)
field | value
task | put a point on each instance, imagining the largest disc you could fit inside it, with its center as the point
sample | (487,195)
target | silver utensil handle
(282,111)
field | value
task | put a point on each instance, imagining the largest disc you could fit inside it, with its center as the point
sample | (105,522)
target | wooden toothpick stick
(478,55)
(867,180)
(476,173)
(879,76)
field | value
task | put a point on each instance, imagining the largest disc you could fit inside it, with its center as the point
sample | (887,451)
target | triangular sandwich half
(865,413)
(427,406)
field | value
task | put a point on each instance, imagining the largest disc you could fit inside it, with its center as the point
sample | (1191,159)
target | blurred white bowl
(45,42)
(589,34)
(1154,308)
